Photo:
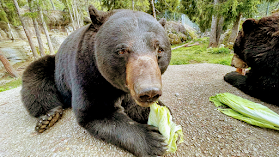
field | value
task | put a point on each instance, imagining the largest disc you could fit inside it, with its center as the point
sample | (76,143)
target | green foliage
(139,5)
(3,16)
(10,11)
(218,50)
(199,54)
(170,5)
(116,4)
(201,11)
(192,34)
(10,85)
(267,8)
(31,15)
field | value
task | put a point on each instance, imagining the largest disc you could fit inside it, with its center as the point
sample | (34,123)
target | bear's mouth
(143,79)
(239,64)
(241,71)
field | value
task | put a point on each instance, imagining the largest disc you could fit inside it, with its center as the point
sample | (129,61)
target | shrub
(219,50)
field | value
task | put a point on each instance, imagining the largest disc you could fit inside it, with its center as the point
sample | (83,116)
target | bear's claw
(155,142)
(48,120)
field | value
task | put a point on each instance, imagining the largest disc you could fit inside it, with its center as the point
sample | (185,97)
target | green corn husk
(245,110)
(160,117)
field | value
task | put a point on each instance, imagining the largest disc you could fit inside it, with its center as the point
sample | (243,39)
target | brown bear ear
(95,15)
(163,22)
(249,25)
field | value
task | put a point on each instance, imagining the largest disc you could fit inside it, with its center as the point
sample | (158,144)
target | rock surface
(186,90)
(179,33)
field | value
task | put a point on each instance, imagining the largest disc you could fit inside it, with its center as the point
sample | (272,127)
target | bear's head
(132,51)
(257,43)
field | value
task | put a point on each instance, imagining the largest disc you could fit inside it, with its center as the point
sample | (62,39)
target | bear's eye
(122,52)
(160,50)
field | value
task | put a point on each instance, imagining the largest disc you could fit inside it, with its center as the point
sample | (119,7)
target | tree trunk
(27,32)
(53,7)
(267,8)
(12,34)
(213,39)
(235,29)
(75,17)
(153,9)
(71,15)
(38,34)
(133,5)
(216,29)
(78,19)
(51,51)
(219,30)
(7,65)
(86,8)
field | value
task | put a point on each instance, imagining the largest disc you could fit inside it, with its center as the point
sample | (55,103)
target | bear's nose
(150,95)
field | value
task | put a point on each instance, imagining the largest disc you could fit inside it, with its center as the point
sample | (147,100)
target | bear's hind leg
(39,93)
(48,120)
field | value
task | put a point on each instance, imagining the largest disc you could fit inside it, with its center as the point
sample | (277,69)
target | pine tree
(32,5)
(204,12)
(27,32)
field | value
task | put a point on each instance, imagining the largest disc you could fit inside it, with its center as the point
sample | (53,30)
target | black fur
(258,46)
(39,92)
(90,77)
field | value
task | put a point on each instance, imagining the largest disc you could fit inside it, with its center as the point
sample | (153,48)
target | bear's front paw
(235,79)
(155,142)
(231,77)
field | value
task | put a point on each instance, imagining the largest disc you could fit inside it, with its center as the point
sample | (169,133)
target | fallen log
(186,45)
(7,65)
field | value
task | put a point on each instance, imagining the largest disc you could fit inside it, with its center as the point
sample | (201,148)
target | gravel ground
(186,90)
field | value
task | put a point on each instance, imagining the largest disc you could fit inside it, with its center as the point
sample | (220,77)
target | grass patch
(201,54)
(218,50)
(10,85)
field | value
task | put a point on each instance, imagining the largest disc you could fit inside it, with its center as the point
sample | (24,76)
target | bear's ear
(249,25)
(96,16)
(163,22)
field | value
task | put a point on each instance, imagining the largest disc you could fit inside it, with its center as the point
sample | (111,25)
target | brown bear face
(257,40)
(132,51)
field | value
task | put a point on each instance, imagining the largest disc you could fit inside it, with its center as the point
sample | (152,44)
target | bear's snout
(238,63)
(143,78)
(149,95)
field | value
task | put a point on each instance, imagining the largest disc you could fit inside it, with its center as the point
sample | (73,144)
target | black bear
(109,72)
(257,46)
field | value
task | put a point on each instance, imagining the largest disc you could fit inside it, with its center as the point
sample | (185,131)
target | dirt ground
(186,90)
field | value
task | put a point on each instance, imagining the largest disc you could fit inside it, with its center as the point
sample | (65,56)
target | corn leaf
(245,110)
(160,117)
